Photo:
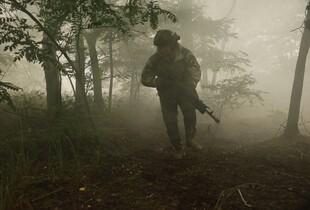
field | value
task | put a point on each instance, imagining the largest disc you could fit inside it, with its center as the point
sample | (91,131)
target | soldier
(174,62)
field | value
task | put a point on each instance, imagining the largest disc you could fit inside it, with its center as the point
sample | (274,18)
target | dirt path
(274,174)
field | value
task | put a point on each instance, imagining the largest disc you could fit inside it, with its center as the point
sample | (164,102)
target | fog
(85,131)
(266,30)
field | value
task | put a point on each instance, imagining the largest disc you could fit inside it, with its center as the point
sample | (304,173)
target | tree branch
(71,63)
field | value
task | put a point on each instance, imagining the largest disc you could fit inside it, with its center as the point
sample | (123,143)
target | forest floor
(226,174)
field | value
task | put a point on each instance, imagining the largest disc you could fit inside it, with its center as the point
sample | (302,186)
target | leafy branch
(5,97)
(234,93)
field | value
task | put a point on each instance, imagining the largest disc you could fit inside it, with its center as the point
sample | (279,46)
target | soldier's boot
(178,152)
(192,143)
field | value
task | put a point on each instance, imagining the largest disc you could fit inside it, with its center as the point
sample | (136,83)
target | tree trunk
(204,82)
(52,78)
(204,79)
(111,70)
(65,54)
(91,39)
(291,129)
(80,75)
(231,9)
(133,76)
(214,76)
(187,34)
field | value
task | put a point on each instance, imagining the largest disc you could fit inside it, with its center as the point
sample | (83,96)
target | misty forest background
(70,88)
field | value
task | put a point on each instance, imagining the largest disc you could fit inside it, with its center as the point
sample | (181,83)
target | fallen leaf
(82,189)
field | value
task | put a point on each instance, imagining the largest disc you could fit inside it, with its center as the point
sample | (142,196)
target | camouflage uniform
(185,69)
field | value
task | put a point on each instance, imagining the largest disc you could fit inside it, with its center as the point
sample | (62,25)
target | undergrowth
(26,161)
(35,150)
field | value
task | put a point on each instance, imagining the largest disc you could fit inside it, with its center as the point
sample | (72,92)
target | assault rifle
(192,93)
(202,108)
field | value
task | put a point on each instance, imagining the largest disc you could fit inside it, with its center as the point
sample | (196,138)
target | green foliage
(15,31)
(226,61)
(192,19)
(74,16)
(234,93)
(5,95)
(123,17)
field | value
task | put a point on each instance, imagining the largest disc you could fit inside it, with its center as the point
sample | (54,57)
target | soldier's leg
(169,109)
(189,117)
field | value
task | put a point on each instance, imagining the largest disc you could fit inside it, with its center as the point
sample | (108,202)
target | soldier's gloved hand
(162,84)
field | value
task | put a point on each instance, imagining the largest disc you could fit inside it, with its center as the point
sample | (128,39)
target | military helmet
(165,37)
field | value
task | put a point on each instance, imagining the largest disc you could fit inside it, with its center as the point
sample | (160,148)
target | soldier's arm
(193,67)
(148,78)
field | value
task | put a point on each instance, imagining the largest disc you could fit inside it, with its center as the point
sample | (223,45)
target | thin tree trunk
(204,80)
(231,9)
(131,94)
(52,79)
(65,54)
(111,69)
(80,76)
(132,90)
(51,72)
(214,76)
(136,86)
(91,39)
(291,129)
(187,35)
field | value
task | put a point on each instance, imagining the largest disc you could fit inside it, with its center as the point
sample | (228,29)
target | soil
(226,174)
